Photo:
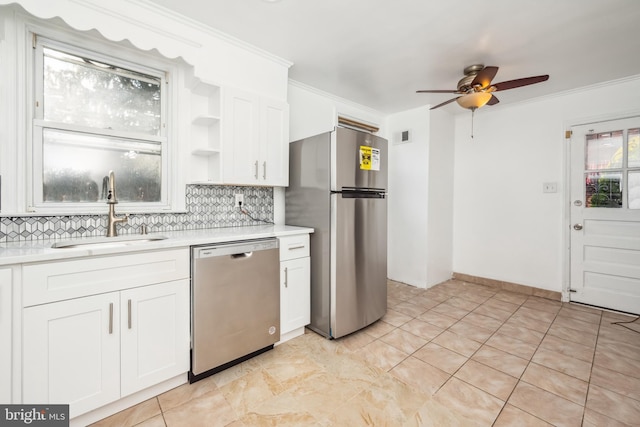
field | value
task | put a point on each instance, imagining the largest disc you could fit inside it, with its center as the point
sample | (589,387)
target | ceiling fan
(476,90)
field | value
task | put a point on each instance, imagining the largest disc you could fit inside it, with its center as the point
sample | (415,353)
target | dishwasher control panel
(230,248)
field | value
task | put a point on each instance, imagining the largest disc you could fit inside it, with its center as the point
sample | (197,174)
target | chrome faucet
(112,219)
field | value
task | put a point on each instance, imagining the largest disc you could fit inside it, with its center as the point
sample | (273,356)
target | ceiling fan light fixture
(474,100)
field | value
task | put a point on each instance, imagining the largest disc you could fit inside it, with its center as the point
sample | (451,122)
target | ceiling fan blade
(436,91)
(444,103)
(493,100)
(511,84)
(484,76)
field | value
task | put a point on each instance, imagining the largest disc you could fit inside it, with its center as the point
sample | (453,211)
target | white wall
(408,197)
(440,196)
(420,197)
(313,112)
(505,227)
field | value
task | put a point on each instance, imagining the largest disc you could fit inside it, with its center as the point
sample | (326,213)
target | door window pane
(633,144)
(634,189)
(75,165)
(603,190)
(604,151)
(85,92)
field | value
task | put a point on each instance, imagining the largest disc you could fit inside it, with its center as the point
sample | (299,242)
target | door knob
(577,226)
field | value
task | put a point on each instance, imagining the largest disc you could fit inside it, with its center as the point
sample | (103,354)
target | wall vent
(357,125)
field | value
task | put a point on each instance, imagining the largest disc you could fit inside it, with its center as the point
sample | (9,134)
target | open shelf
(205,120)
(206,151)
(205,165)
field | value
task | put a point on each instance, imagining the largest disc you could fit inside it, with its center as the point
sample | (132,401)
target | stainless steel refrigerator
(337,185)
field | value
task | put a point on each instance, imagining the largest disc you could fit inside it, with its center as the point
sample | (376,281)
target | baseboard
(508,286)
(128,401)
(290,335)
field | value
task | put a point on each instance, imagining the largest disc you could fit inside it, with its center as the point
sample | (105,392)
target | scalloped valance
(149,26)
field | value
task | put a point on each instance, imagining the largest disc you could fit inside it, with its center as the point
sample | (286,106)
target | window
(612,165)
(94,113)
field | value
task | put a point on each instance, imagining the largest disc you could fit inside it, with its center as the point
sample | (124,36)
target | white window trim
(19,82)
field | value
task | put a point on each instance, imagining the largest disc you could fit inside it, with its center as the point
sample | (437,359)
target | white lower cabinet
(295,294)
(93,350)
(155,334)
(71,352)
(295,285)
(5,333)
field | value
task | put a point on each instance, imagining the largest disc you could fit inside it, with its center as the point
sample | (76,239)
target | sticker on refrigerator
(369,158)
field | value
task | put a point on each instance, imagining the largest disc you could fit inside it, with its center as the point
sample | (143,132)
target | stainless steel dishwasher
(235,303)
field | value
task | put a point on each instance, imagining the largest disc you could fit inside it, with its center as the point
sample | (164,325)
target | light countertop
(41,250)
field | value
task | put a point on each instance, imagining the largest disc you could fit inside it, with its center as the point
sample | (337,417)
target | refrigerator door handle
(361,194)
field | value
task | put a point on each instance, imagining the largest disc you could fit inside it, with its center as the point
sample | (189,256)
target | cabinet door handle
(129,314)
(110,318)
(256,169)
(286,277)
(264,170)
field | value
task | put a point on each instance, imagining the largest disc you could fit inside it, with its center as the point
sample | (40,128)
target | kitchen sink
(107,242)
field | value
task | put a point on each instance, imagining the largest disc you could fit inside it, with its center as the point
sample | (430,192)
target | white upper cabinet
(241,136)
(274,145)
(255,139)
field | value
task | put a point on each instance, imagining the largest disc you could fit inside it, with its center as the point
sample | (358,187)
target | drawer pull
(110,318)
(296,247)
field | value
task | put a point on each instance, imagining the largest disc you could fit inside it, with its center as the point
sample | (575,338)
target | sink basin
(107,242)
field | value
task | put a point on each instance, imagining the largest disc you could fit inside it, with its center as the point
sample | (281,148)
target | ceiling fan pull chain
(473,110)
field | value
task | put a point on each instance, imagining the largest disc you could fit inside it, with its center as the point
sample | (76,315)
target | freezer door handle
(362,195)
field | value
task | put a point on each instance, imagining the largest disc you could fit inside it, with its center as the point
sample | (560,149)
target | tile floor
(457,354)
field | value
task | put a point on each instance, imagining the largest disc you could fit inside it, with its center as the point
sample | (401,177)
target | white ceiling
(379,52)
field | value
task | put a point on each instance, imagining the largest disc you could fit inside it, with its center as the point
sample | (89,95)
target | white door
(71,353)
(605,214)
(155,334)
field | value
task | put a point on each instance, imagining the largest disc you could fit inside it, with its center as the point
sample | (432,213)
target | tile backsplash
(208,206)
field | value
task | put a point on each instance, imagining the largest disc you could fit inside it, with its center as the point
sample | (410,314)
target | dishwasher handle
(241,255)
